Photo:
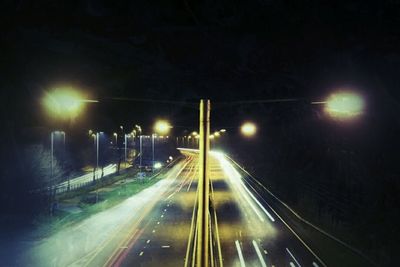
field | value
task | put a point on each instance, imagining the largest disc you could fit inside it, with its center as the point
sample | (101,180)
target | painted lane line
(315,264)
(260,257)
(166,246)
(291,255)
(239,250)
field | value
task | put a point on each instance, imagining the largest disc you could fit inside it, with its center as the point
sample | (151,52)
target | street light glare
(248,129)
(344,105)
(157,165)
(63,103)
(162,127)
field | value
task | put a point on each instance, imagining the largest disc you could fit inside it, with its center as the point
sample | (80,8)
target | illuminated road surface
(152,227)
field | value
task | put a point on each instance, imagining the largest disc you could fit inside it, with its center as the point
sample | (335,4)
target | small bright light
(157,165)
(170,158)
(63,103)
(194,133)
(212,136)
(222,130)
(162,127)
(344,105)
(217,134)
(248,129)
(115,134)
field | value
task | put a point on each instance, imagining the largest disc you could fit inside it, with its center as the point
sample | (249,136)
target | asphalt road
(152,227)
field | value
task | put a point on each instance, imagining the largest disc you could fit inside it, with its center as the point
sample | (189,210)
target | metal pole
(97,152)
(202,258)
(52,152)
(152,148)
(94,147)
(126,143)
(140,150)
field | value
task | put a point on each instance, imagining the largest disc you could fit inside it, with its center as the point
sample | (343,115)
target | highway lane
(95,240)
(251,233)
(163,238)
(152,227)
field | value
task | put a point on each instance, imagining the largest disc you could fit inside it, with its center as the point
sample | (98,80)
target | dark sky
(185,50)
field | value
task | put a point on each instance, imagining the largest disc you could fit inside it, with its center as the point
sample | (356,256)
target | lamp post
(140,150)
(152,149)
(52,149)
(116,139)
(160,127)
(126,146)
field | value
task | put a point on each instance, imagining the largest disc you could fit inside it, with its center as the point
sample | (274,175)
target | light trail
(263,264)
(291,255)
(239,250)
(234,175)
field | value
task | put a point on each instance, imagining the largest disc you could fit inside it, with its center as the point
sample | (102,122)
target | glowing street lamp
(64,103)
(162,127)
(248,129)
(344,105)
(116,139)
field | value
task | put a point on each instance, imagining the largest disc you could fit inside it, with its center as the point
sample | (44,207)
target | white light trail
(239,250)
(263,264)
(291,255)
(236,178)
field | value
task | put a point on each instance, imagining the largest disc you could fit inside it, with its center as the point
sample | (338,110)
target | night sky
(226,51)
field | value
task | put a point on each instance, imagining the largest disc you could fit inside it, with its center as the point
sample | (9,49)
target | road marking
(166,246)
(315,264)
(141,253)
(148,241)
(260,257)
(239,250)
(292,264)
(291,255)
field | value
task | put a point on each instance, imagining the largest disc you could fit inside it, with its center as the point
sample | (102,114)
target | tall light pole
(152,148)
(52,149)
(202,243)
(126,144)
(160,127)
(116,139)
(140,151)
(94,136)
(97,154)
